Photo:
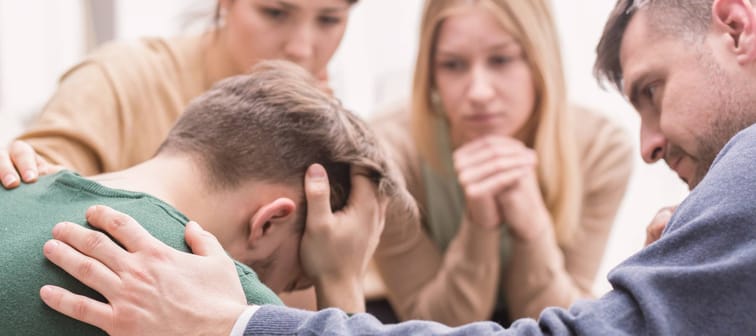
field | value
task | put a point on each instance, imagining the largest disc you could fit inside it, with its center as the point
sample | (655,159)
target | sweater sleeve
(543,273)
(80,126)
(115,108)
(455,287)
(696,280)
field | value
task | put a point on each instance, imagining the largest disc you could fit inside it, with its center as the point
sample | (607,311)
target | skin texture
(486,88)
(691,98)
(665,113)
(306,32)
(138,270)
(690,103)
(482,78)
(255,222)
(20,162)
(137,283)
(658,223)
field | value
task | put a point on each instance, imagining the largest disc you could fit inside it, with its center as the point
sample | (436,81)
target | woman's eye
(500,60)
(329,20)
(274,13)
(452,65)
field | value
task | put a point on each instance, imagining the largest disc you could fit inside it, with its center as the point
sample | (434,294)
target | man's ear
(737,18)
(269,217)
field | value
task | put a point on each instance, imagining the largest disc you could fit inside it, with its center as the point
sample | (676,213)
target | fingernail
(30,175)
(91,210)
(50,246)
(56,229)
(193,225)
(9,179)
(45,292)
(316,171)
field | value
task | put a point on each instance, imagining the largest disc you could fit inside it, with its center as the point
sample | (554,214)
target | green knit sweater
(27,216)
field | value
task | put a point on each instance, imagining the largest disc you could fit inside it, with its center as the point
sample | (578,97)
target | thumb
(202,242)
(318,194)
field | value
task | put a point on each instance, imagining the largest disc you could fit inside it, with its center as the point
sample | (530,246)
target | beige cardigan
(456,287)
(115,108)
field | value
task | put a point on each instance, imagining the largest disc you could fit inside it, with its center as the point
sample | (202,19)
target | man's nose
(653,144)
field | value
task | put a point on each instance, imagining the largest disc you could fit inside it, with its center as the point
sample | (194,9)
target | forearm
(536,277)
(612,315)
(59,149)
(81,126)
(346,295)
(272,320)
(461,288)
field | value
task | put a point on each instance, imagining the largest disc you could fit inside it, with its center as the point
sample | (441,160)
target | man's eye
(650,91)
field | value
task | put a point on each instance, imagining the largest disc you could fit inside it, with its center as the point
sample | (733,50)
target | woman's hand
(20,162)
(488,168)
(523,209)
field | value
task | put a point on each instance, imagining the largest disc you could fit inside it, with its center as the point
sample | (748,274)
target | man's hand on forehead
(337,246)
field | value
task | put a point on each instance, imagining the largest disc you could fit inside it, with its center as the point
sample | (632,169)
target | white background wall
(39,39)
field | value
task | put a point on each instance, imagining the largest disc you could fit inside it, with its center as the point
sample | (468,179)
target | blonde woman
(518,189)
(114,109)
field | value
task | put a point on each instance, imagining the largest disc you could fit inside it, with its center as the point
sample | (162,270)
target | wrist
(243,320)
(225,320)
(535,228)
(526,217)
(480,242)
(343,292)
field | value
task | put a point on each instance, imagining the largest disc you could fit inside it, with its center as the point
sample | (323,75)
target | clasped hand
(498,177)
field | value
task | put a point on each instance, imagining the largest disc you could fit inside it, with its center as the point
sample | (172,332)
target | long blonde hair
(531,23)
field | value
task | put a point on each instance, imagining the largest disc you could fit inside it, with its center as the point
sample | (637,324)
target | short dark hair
(271,125)
(676,17)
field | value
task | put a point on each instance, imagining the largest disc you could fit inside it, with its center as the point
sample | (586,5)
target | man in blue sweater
(688,67)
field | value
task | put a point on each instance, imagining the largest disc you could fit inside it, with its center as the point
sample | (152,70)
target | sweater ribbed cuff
(276,320)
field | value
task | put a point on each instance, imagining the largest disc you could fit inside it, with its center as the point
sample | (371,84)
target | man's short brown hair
(681,18)
(271,125)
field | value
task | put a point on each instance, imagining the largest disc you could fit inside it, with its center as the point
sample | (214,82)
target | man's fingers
(318,194)
(52,169)
(364,195)
(657,225)
(89,271)
(363,191)
(8,175)
(652,235)
(24,159)
(78,307)
(122,227)
(93,243)
(202,242)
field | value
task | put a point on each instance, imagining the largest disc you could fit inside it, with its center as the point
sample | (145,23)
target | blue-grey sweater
(698,279)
